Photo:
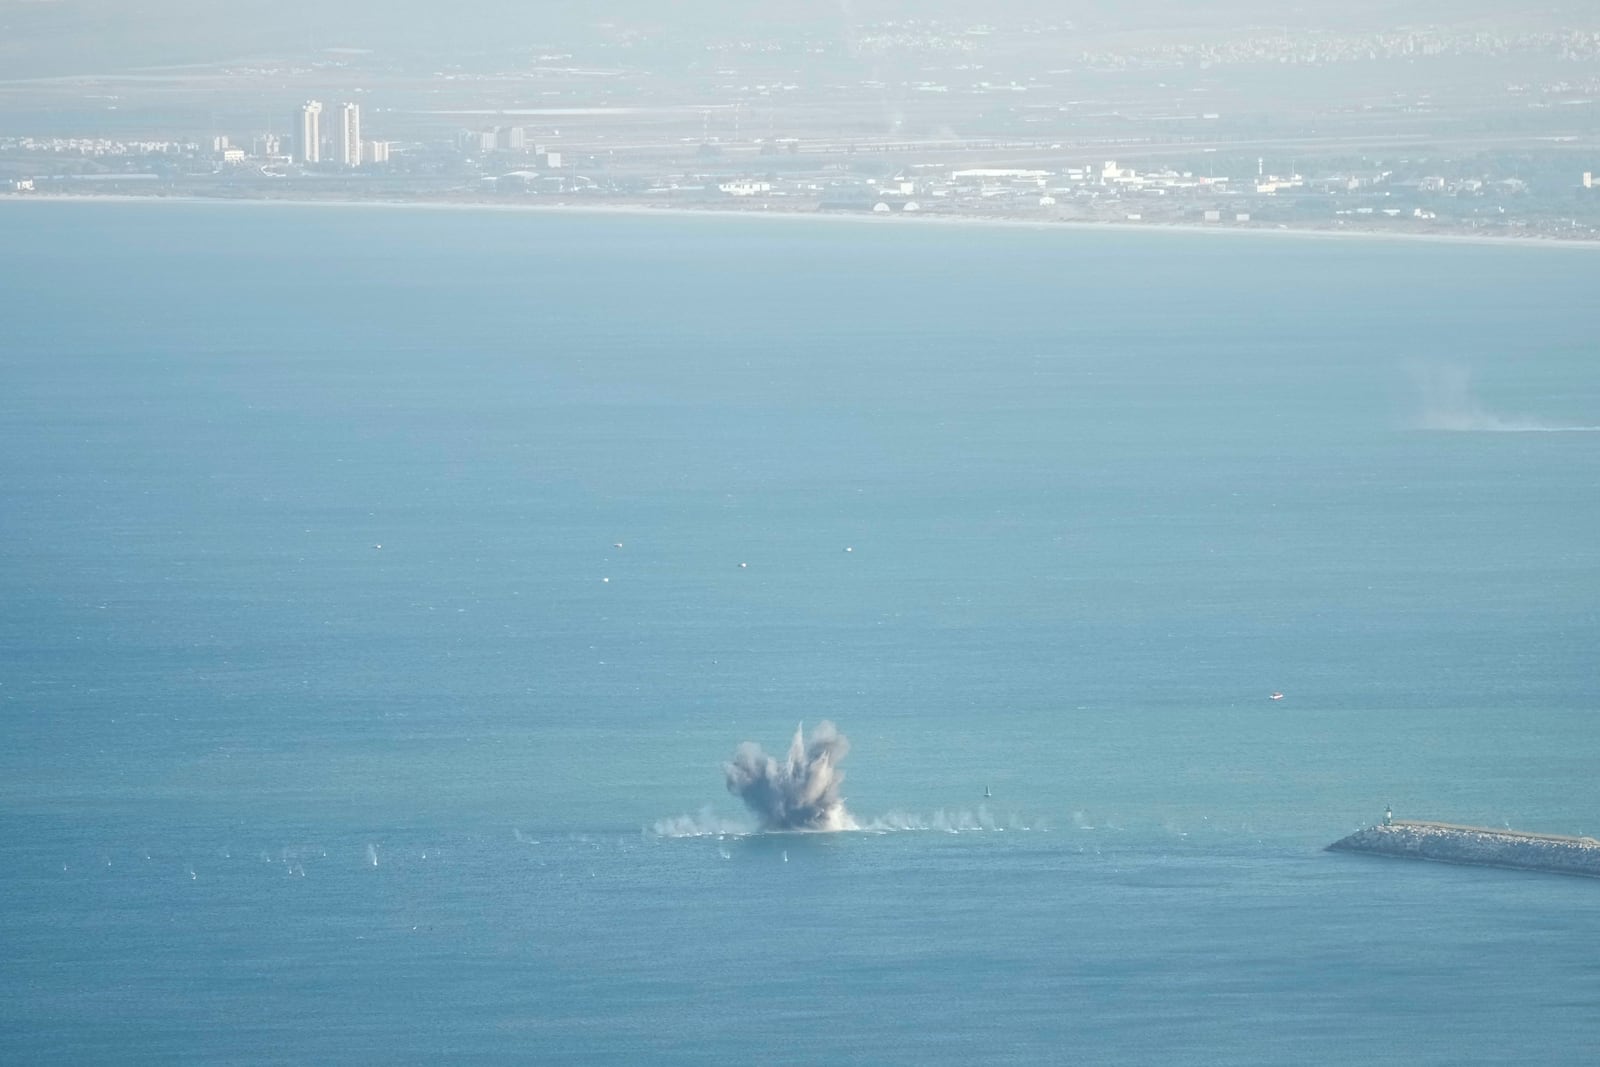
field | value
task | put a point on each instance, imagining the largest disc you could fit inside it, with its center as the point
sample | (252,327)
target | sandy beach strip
(795,215)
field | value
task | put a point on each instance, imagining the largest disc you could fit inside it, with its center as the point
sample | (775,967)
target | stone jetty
(1477,846)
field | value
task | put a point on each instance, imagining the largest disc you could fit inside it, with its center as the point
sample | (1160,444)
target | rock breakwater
(1478,846)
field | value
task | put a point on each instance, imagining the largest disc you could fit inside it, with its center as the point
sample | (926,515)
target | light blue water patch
(333,535)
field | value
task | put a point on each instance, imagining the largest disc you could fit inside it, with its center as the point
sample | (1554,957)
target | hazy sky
(40,37)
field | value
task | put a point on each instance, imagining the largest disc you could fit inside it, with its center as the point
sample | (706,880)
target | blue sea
(384,590)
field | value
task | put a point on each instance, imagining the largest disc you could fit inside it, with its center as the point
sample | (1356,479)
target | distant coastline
(643,208)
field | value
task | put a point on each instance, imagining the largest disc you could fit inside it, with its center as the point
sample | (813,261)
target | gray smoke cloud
(802,792)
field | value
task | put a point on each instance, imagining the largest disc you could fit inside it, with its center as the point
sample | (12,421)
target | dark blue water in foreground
(271,793)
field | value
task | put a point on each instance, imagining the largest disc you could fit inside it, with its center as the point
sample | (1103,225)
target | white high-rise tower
(350,135)
(309,146)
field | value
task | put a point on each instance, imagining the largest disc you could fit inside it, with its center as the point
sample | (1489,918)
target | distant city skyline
(1355,116)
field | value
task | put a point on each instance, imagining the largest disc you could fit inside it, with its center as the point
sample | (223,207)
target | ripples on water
(1050,511)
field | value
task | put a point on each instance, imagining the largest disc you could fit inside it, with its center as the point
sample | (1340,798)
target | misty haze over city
(1417,118)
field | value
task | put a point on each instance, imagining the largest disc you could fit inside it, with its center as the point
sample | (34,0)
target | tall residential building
(309,145)
(350,135)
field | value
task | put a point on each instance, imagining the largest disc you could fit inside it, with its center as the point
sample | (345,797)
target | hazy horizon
(43,38)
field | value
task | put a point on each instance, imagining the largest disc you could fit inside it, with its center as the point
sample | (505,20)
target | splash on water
(1450,404)
(802,791)
(982,819)
(705,824)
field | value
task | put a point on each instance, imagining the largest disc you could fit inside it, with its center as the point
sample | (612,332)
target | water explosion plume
(802,792)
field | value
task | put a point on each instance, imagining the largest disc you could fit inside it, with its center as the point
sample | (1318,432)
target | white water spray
(802,792)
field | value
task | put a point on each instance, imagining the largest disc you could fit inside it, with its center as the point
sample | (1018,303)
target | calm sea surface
(384,588)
